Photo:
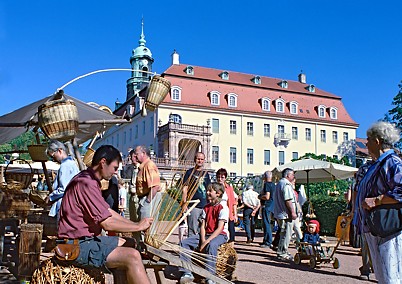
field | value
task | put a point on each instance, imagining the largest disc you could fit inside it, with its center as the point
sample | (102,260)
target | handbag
(385,220)
(67,252)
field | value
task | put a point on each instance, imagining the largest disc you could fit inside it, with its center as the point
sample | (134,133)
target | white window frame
(250,156)
(295,133)
(266,104)
(333,113)
(233,127)
(267,130)
(308,134)
(232,96)
(335,137)
(293,107)
(321,111)
(176,97)
(267,161)
(311,88)
(280,105)
(283,84)
(224,75)
(250,128)
(189,70)
(345,136)
(215,154)
(233,155)
(257,80)
(215,95)
(323,136)
(213,128)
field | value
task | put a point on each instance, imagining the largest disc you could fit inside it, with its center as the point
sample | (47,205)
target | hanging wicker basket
(38,153)
(58,118)
(157,92)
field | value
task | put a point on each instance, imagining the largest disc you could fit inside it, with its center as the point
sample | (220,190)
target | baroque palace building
(245,123)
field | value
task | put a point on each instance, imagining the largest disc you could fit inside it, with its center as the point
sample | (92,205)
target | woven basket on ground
(51,271)
(13,175)
(226,261)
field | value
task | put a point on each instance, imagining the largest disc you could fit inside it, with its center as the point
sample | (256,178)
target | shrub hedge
(327,209)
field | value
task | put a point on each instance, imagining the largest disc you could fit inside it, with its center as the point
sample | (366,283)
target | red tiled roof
(195,90)
(361,148)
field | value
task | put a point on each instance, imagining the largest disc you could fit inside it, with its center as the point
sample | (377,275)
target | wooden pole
(48,182)
(78,155)
(29,250)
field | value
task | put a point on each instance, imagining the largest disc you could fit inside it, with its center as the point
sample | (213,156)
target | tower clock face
(144,62)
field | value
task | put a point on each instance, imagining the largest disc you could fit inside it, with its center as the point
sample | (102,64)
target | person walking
(285,212)
(267,200)
(250,211)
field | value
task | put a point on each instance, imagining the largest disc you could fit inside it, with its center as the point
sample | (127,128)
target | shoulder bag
(386,219)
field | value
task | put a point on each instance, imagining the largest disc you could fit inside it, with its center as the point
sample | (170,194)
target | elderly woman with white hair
(382,184)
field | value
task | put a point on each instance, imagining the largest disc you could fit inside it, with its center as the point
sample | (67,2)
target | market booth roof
(21,120)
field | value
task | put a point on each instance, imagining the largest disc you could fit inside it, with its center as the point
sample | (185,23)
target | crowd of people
(84,211)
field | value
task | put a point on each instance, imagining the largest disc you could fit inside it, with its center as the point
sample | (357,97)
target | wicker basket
(38,153)
(25,179)
(226,261)
(58,118)
(157,92)
(38,197)
(88,157)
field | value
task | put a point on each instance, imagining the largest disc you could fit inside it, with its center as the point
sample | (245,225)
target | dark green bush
(327,209)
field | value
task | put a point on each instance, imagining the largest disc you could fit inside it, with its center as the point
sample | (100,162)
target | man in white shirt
(251,206)
(285,212)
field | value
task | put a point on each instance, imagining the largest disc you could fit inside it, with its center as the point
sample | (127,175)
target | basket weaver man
(84,213)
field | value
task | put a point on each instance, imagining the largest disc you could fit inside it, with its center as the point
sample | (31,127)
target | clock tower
(141,59)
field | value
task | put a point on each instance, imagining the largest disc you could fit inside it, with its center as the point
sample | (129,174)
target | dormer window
(311,88)
(257,80)
(293,107)
(280,105)
(321,111)
(224,75)
(333,113)
(176,93)
(266,104)
(283,84)
(215,98)
(232,100)
(189,70)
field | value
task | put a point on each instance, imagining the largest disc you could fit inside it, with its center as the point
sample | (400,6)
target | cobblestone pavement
(258,265)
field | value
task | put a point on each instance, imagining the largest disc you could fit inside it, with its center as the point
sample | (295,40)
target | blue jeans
(249,222)
(191,243)
(266,222)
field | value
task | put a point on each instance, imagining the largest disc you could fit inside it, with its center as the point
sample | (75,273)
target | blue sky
(350,48)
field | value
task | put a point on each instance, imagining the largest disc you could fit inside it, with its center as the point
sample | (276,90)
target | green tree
(19,143)
(394,115)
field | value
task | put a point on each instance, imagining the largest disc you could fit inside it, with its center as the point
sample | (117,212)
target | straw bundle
(51,272)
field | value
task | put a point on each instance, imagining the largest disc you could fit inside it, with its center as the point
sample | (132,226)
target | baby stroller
(315,254)
(313,250)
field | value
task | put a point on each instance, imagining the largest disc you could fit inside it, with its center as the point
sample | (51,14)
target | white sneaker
(186,278)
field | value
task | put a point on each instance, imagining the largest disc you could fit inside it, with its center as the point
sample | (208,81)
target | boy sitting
(213,232)
(311,236)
